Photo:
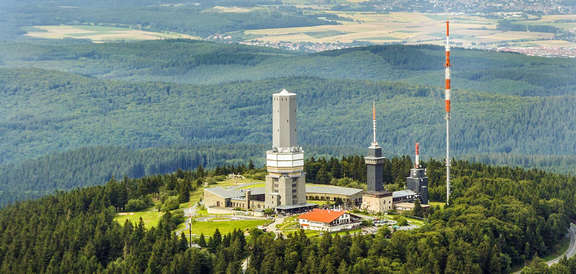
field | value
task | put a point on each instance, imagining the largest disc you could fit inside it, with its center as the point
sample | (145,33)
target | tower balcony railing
(285,160)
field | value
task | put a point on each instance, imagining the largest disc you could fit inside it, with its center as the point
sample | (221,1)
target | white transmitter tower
(285,188)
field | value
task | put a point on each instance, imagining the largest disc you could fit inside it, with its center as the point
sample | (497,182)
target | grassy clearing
(415,221)
(151,218)
(208,228)
(312,233)
(100,34)
(289,224)
(201,212)
(351,232)
(434,204)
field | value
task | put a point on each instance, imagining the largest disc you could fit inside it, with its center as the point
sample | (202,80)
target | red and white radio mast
(447,101)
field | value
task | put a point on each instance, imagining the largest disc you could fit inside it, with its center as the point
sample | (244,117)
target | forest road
(571,251)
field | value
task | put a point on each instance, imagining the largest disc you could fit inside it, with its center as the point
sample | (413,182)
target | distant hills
(199,62)
(46,111)
(508,108)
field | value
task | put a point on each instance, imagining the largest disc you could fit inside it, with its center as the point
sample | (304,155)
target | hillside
(503,106)
(46,112)
(499,218)
(200,62)
(97,165)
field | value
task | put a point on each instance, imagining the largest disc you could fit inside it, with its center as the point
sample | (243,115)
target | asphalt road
(571,251)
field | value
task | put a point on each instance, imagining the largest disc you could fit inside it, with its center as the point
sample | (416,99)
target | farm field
(100,34)
(415,28)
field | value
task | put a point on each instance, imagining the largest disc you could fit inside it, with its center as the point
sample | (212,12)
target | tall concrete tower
(375,199)
(285,183)
(418,181)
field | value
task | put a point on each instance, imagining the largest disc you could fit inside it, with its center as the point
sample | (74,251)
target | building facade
(405,195)
(252,197)
(246,199)
(327,220)
(349,197)
(418,181)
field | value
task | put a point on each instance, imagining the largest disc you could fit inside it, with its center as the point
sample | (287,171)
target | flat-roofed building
(348,196)
(405,206)
(247,196)
(405,195)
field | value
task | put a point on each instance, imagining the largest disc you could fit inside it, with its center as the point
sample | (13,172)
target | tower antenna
(374,123)
(417,160)
(447,102)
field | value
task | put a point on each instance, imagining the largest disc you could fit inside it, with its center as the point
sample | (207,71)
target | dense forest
(200,62)
(502,109)
(97,165)
(500,217)
(45,111)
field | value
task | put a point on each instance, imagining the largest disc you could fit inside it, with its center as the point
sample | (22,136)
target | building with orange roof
(327,220)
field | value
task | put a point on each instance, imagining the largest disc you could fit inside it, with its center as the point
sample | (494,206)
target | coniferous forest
(91,132)
(500,217)
(78,114)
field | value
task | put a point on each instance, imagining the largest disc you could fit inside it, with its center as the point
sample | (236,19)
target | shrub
(171,203)
(401,221)
(135,205)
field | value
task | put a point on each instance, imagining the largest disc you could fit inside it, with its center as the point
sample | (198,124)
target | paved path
(188,212)
(272,227)
(571,251)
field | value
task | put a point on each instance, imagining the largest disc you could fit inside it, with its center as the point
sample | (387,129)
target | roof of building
(289,207)
(403,193)
(322,215)
(234,193)
(408,205)
(347,191)
(378,194)
(284,92)
(239,192)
